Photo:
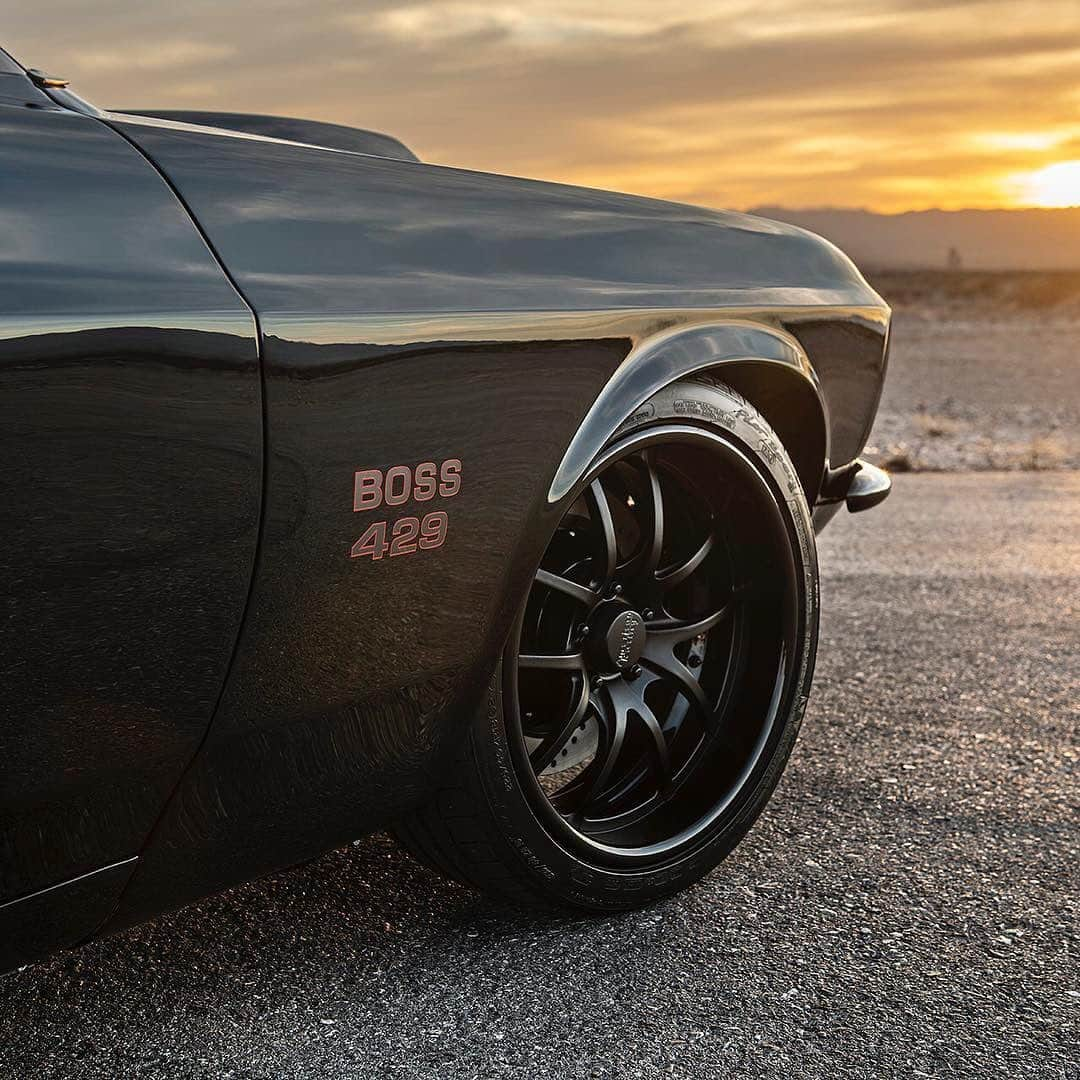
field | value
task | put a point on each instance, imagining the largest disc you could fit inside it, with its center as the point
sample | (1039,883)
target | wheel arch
(766,365)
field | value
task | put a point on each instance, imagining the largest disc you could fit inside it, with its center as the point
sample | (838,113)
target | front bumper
(859,485)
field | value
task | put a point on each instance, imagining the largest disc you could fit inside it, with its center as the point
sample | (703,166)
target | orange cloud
(888,104)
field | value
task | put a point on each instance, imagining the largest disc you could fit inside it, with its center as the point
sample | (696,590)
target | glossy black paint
(739,350)
(349,239)
(16,89)
(408,313)
(130,431)
(413,313)
(870,487)
(375,663)
(335,136)
(61,915)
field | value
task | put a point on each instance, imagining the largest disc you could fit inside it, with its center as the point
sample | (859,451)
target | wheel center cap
(624,639)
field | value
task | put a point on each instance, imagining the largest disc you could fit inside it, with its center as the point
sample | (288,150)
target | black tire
(496,824)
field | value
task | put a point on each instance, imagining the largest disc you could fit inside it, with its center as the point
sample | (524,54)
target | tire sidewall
(561,872)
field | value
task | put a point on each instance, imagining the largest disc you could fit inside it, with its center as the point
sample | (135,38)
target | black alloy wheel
(652,643)
(655,675)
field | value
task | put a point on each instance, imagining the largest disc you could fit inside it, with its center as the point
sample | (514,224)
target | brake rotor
(579,748)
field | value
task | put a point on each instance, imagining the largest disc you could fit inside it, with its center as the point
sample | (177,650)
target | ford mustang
(345,492)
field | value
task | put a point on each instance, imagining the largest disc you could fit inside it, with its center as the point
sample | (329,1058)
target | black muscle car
(345,492)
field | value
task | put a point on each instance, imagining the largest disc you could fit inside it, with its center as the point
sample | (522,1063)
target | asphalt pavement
(906,907)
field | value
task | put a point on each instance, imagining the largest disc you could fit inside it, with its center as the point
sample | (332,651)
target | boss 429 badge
(374,489)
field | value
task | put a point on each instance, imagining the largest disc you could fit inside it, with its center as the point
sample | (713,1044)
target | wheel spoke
(664,662)
(553,661)
(659,656)
(676,575)
(549,748)
(569,588)
(656,530)
(608,551)
(672,634)
(630,699)
(646,556)
(660,748)
(613,729)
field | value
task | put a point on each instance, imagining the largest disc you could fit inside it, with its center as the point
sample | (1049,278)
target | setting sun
(1056,185)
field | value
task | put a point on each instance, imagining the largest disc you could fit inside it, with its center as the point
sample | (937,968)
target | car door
(130,486)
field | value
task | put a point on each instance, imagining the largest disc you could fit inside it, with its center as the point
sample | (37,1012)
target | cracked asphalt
(906,906)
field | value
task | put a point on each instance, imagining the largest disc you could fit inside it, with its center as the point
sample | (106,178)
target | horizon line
(758,208)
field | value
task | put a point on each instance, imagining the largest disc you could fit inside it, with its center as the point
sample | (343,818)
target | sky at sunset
(886,104)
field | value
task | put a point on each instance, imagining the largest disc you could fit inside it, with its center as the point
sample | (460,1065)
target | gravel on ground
(906,907)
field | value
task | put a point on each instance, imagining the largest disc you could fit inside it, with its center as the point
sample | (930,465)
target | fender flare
(661,359)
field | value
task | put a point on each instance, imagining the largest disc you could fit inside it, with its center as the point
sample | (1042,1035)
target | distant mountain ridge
(1029,239)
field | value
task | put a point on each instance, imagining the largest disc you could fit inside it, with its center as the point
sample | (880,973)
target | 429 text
(374,488)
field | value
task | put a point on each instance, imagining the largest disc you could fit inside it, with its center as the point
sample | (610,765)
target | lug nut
(635,672)
(648,614)
(695,660)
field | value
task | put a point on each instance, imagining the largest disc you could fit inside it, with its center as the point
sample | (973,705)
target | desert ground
(984,372)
